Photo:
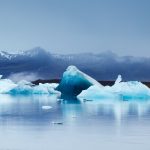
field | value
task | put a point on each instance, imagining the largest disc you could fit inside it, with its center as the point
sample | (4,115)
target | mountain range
(42,64)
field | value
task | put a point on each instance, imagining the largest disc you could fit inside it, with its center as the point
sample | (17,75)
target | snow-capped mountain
(5,55)
(103,66)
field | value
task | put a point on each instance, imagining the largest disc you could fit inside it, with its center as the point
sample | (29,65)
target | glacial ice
(26,88)
(120,90)
(74,81)
(74,84)
(6,85)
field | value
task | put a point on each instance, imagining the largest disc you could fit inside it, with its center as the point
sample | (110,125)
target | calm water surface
(103,124)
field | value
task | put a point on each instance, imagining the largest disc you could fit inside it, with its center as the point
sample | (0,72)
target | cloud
(103,66)
(23,76)
(107,66)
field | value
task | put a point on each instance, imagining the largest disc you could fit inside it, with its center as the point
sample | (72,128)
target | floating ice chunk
(131,89)
(52,85)
(57,123)
(74,81)
(95,92)
(6,85)
(47,107)
(1,76)
(46,88)
(123,90)
(26,88)
(87,100)
(118,80)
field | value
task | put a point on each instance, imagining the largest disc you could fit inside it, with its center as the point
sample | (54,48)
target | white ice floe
(46,107)
(26,88)
(6,85)
(121,90)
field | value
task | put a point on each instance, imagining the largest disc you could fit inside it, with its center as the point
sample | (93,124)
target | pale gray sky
(74,26)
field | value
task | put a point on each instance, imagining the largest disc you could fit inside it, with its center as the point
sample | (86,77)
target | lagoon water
(44,123)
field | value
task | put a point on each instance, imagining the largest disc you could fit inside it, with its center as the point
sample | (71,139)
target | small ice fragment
(119,79)
(1,76)
(58,123)
(87,100)
(46,107)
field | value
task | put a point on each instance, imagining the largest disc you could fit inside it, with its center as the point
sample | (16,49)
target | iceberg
(26,88)
(6,85)
(120,90)
(74,81)
(76,84)
(131,89)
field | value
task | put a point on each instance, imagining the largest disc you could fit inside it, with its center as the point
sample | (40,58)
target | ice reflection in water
(85,125)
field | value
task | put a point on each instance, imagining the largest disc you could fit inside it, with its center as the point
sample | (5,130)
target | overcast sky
(74,26)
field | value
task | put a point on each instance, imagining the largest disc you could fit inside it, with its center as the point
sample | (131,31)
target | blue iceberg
(74,81)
